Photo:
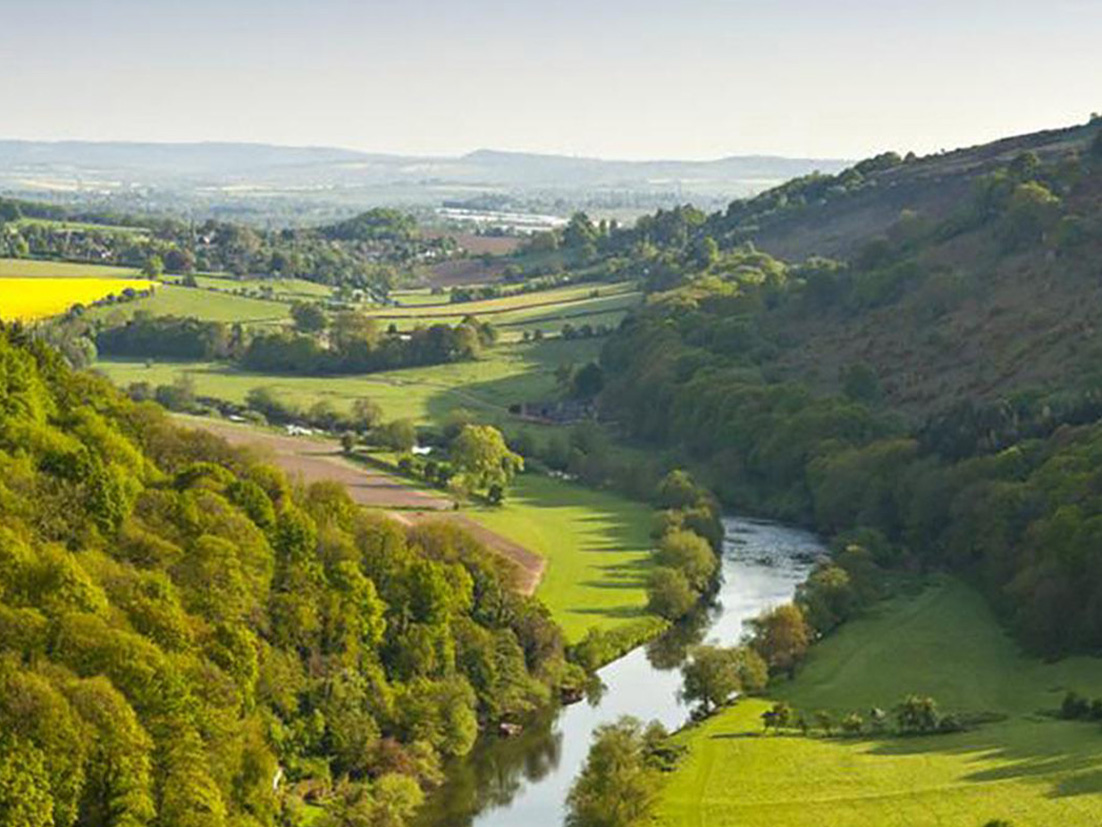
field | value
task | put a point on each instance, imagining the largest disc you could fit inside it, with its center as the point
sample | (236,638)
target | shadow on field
(532,382)
(628,575)
(1039,752)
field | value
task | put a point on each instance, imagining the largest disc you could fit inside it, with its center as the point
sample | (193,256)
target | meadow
(34,268)
(287,289)
(207,305)
(1029,768)
(40,297)
(220,299)
(81,226)
(596,545)
(507,374)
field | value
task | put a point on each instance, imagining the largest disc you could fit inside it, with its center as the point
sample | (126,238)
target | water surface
(523,781)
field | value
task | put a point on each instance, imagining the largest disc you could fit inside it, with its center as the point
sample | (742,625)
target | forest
(186,638)
(1003,490)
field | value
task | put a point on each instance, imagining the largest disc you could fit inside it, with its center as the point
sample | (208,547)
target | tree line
(186,638)
(348,343)
(360,252)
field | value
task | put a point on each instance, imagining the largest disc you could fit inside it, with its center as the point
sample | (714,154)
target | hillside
(187,639)
(835,215)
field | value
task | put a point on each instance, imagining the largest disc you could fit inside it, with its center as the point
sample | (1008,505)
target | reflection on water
(524,780)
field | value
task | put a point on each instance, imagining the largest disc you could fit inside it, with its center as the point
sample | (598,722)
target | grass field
(207,305)
(506,306)
(596,546)
(81,226)
(1029,768)
(510,373)
(40,297)
(281,288)
(31,268)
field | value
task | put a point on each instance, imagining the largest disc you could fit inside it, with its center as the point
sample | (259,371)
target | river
(523,781)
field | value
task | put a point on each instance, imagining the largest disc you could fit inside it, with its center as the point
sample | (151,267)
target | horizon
(617,82)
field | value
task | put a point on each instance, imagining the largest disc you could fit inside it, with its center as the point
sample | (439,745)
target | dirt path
(320,459)
(315,459)
(529,565)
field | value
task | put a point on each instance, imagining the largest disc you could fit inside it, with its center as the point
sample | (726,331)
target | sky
(605,78)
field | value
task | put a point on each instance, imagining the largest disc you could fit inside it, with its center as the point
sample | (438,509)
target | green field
(1029,768)
(33,268)
(207,305)
(505,306)
(508,374)
(596,545)
(81,226)
(281,288)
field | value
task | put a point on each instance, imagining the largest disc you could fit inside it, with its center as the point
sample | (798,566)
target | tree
(481,456)
(706,252)
(669,594)
(852,724)
(617,787)
(579,231)
(401,435)
(778,717)
(712,675)
(588,381)
(825,722)
(366,414)
(308,317)
(154,267)
(781,637)
(180,261)
(25,799)
(917,713)
(690,554)
(678,490)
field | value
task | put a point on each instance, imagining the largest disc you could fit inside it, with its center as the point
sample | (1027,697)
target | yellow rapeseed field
(36,298)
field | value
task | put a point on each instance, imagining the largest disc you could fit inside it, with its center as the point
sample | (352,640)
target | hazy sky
(611,78)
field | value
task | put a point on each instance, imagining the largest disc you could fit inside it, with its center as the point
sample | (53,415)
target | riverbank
(524,781)
(1028,768)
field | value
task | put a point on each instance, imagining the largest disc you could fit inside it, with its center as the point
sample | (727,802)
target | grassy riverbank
(597,547)
(1028,768)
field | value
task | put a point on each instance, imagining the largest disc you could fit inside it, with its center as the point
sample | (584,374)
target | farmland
(40,297)
(279,288)
(1028,768)
(267,302)
(173,300)
(32,268)
(508,374)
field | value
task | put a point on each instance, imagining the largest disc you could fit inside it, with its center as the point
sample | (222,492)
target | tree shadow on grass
(1041,756)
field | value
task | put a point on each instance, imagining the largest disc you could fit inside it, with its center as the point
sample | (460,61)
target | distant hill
(219,175)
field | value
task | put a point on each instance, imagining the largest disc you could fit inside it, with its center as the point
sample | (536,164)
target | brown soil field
(313,459)
(479,244)
(465,271)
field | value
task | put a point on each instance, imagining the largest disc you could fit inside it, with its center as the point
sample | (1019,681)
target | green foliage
(482,459)
(308,317)
(669,593)
(713,675)
(617,786)
(177,624)
(781,637)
